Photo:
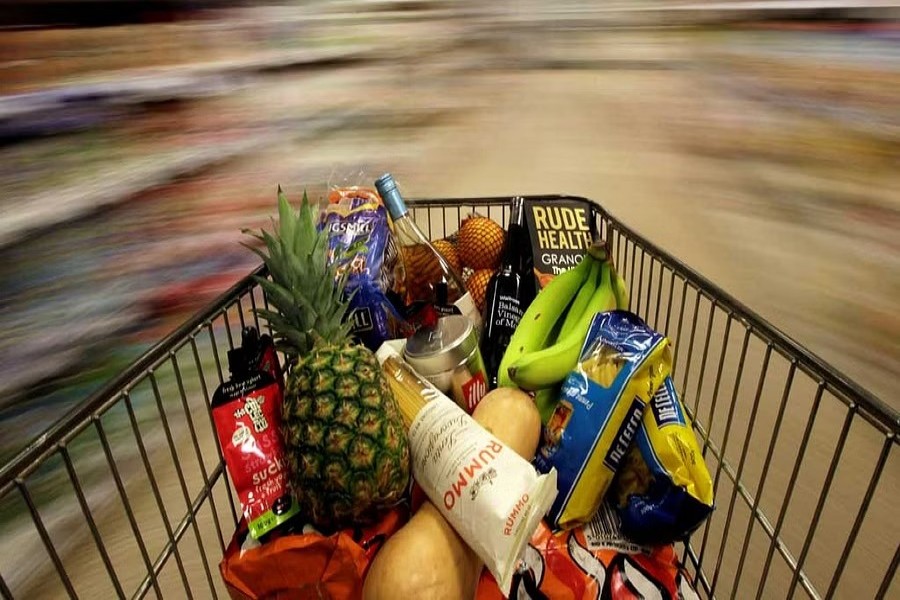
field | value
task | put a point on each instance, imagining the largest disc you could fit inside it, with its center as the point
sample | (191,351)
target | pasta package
(666,491)
(623,362)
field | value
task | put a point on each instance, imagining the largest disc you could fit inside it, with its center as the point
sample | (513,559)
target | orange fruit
(448,251)
(480,243)
(422,269)
(477,285)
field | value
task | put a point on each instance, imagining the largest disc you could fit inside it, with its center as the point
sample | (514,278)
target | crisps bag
(592,562)
(308,565)
(622,363)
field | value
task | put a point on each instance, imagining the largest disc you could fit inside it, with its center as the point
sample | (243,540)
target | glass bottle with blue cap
(434,288)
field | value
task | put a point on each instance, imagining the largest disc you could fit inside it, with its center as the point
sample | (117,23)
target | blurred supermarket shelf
(117,181)
(115,184)
(62,108)
(25,366)
(847,78)
(653,13)
(883,123)
(72,106)
(79,106)
(774,5)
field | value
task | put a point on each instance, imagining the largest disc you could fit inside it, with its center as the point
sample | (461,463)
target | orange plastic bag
(570,566)
(307,566)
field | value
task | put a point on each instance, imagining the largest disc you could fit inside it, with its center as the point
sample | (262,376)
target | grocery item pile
(472,417)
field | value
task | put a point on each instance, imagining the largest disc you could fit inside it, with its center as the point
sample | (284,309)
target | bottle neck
(517,212)
(408,233)
(517,243)
(390,195)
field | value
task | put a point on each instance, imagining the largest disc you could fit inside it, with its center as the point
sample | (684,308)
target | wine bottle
(509,292)
(433,287)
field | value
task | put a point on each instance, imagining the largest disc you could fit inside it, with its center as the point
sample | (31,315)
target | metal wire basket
(127,495)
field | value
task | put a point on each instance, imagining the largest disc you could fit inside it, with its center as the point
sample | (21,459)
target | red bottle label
(254,454)
(474,390)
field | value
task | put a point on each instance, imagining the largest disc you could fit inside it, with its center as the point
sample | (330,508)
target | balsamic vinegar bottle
(509,292)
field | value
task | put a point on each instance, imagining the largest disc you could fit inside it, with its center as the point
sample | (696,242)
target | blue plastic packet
(375,319)
(358,238)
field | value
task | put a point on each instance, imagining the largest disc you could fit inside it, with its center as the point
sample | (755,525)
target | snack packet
(623,362)
(359,241)
(589,562)
(665,490)
(246,412)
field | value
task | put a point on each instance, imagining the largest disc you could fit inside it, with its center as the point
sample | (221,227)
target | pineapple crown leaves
(305,291)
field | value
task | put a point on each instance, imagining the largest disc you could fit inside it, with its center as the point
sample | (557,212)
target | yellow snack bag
(602,401)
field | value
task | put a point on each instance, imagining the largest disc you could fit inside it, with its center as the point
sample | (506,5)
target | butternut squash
(511,415)
(426,558)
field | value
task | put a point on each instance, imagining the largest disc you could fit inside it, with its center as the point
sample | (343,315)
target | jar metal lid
(443,347)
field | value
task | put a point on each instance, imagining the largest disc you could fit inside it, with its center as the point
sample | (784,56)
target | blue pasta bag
(359,238)
(601,405)
(665,490)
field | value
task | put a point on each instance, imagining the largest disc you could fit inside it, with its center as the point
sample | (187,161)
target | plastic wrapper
(361,245)
(307,565)
(664,490)
(622,363)
(592,562)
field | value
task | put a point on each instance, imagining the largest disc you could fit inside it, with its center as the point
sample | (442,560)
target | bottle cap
(390,195)
(517,210)
(251,344)
(443,347)
(249,336)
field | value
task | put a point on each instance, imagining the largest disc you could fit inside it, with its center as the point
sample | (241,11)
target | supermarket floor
(750,166)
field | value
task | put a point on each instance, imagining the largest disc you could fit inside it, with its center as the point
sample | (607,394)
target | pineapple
(346,449)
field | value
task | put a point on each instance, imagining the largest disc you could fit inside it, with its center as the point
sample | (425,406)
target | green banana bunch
(546,398)
(535,328)
(546,367)
(581,300)
(620,290)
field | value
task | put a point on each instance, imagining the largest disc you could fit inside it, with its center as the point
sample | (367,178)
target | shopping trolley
(127,495)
